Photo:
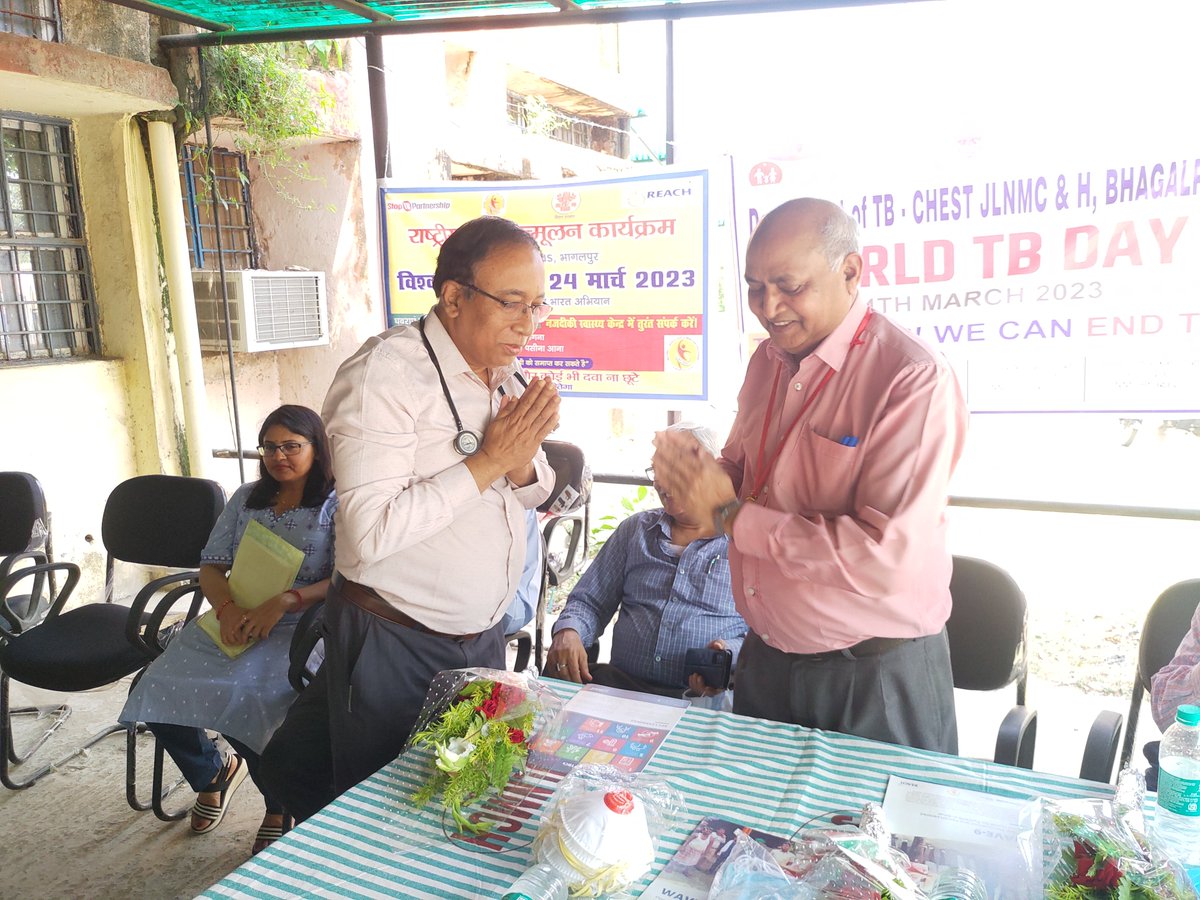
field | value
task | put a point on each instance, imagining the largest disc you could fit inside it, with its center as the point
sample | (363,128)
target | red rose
(1107,875)
(516,736)
(495,690)
(489,708)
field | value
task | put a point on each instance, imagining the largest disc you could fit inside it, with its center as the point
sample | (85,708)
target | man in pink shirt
(833,488)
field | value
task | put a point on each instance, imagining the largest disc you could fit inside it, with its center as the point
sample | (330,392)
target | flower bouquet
(1105,854)
(476,725)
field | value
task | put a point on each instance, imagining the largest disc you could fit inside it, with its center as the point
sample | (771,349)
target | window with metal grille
(231,181)
(604,134)
(47,308)
(32,18)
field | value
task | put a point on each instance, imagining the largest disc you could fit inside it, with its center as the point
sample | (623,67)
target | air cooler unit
(267,310)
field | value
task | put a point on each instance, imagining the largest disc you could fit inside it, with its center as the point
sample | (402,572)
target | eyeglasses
(289,448)
(650,472)
(514,309)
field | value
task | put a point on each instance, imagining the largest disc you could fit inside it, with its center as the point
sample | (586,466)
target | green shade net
(273,15)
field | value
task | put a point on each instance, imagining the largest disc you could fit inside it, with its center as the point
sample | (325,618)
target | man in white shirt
(436,453)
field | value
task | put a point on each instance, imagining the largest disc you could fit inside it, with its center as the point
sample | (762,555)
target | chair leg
(60,714)
(157,793)
(6,775)
(131,733)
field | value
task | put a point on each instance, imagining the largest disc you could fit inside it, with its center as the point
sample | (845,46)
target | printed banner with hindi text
(626,273)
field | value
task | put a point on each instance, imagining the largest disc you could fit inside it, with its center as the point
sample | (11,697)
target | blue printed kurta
(193,683)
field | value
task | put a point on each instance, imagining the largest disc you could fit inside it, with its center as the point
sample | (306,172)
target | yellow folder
(265,565)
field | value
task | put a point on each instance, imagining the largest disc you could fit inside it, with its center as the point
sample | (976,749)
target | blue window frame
(231,181)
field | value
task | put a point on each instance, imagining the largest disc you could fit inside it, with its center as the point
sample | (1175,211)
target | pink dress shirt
(847,542)
(411,521)
(1178,682)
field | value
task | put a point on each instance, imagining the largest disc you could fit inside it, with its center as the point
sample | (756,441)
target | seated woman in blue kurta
(194,686)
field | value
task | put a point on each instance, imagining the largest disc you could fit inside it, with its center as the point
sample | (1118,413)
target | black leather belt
(368,600)
(870,647)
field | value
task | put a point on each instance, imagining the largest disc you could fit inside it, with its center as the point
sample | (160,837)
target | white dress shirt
(411,522)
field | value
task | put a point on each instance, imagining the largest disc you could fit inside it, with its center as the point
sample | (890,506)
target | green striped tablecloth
(372,843)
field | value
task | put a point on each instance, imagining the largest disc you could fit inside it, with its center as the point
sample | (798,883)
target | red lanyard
(761,471)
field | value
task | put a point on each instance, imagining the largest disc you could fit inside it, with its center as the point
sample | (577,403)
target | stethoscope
(465,442)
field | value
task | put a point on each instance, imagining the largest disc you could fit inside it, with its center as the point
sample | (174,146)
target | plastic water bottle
(958,884)
(542,882)
(1177,822)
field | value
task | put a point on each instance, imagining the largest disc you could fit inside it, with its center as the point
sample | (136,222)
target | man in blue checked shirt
(667,572)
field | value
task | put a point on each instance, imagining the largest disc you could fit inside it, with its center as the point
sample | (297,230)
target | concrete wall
(107,28)
(68,424)
(324,220)
(82,426)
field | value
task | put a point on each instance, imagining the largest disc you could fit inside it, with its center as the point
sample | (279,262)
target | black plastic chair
(309,631)
(565,532)
(988,648)
(1166,625)
(24,541)
(151,520)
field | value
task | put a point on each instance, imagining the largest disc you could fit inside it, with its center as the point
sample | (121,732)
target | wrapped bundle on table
(475,728)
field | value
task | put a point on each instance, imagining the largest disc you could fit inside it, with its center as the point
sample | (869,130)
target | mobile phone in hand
(712,665)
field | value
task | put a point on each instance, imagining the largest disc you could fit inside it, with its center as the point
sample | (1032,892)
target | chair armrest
(524,648)
(136,630)
(36,572)
(560,569)
(1100,751)
(309,630)
(36,556)
(1017,736)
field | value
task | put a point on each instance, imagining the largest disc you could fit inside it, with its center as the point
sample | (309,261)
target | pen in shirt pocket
(849,440)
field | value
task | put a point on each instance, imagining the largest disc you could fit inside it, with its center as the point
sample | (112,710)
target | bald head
(834,231)
(802,272)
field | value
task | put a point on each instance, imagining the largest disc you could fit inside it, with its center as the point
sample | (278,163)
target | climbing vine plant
(264,87)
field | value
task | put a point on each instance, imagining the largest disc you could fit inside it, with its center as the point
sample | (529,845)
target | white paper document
(940,827)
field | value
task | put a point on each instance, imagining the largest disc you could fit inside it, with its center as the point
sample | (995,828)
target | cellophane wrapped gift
(1099,849)
(822,863)
(474,732)
(602,826)
(851,863)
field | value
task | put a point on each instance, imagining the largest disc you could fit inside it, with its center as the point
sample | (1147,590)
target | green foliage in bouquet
(481,738)
(1101,866)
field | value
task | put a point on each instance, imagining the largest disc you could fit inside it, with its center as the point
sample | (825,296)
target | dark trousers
(199,760)
(356,715)
(903,696)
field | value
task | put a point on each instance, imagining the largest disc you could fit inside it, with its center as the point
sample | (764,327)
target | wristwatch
(723,513)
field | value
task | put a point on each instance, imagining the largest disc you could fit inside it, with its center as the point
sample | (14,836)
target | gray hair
(839,236)
(706,437)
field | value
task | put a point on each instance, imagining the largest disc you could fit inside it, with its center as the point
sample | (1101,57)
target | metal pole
(673,415)
(670,135)
(377,86)
(212,186)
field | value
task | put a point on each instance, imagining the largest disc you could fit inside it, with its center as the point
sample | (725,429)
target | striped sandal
(269,834)
(205,816)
